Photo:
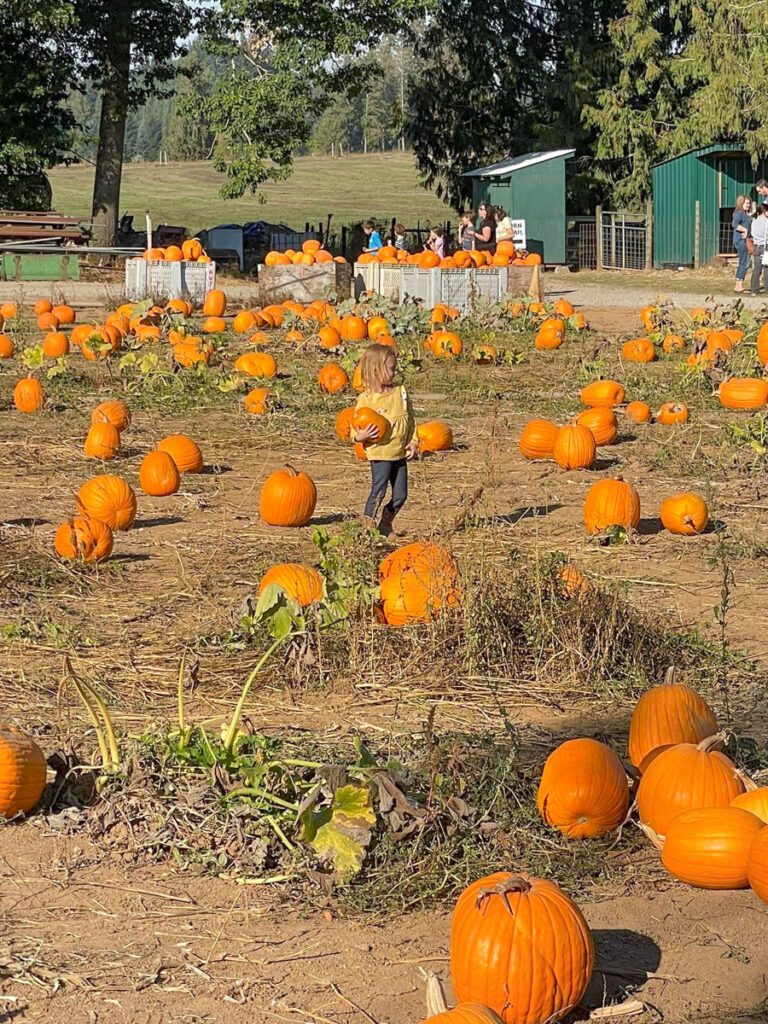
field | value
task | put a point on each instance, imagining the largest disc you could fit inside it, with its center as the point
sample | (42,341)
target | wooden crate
(304,283)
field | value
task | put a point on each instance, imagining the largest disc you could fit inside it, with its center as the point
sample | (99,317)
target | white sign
(518,234)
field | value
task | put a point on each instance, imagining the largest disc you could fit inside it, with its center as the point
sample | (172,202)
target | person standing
(485,235)
(761,188)
(374,238)
(760,239)
(467,230)
(741,224)
(504,231)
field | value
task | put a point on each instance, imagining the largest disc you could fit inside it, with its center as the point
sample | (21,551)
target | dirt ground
(88,936)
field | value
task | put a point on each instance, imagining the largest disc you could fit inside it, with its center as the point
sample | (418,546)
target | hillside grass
(352,188)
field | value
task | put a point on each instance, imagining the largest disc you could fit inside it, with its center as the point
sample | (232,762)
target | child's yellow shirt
(395,406)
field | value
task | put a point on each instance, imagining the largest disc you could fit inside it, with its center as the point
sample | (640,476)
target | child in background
(436,242)
(389,455)
(399,236)
(467,230)
(374,238)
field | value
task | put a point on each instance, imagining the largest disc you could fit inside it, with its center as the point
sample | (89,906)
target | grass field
(378,185)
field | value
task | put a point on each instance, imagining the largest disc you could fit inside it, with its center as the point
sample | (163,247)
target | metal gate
(624,239)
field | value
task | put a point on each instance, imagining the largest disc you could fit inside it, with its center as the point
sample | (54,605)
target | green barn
(530,187)
(712,175)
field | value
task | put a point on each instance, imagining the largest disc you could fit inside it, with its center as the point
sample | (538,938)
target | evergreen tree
(331,131)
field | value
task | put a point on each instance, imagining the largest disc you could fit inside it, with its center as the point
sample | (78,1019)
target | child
(467,230)
(388,455)
(374,238)
(436,242)
(399,236)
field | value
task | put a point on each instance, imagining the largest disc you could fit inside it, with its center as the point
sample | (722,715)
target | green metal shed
(530,187)
(714,175)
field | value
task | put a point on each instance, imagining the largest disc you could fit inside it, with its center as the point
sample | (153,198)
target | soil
(87,936)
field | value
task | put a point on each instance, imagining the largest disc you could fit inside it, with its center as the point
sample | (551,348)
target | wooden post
(599,237)
(344,240)
(697,235)
(649,235)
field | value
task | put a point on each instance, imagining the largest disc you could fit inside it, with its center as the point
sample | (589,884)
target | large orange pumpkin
(583,789)
(184,452)
(684,513)
(22,772)
(666,715)
(110,499)
(365,417)
(215,303)
(755,801)
(102,441)
(709,847)
(520,946)
(611,503)
(64,314)
(743,393)
(244,321)
(641,350)
(757,865)
(434,436)
(537,440)
(353,328)
(332,378)
(28,395)
(301,583)
(288,498)
(603,393)
(602,422)
(256,364)
(113,411)
(55,344)
(158,475)
(83,540)
(417,582)
(574,447)
(683,778)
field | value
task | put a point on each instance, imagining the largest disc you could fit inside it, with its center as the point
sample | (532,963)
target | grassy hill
(352,188)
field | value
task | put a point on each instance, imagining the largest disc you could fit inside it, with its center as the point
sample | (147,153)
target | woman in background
(485,235)
(741,224)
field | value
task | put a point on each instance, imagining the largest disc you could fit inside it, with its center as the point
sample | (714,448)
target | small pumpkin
(377,325)
(762,344)
(611,503)
(583,789)
(683,778)
(484,355)
(55,344)
(243,322)
(641,350)
(537,440)
(564,308)
(685,513)
(527,973)
(257,401)
(574,447)
(328,338)
(192,249)
(447,345)
(301,583)
(214,325)
(113,411)
(465,1013)
(288,498)
(549,337)
(343,424)
(10,310)
(158,475)
(256,364)
(184,452)
(42,306)
(709,847)
(102,441)
(215,303)
(64,314)
(353,328)
(743,393)
(109,499)
(755,801)
(417,582)
(332,378)
(673,343)
(673,412)
(81,539)
(6,347)
(603,393)
(22,771)
(757,865)
(639,412)
(434,436)
(666,715)
(365,417)
(602,422)
(28,395)
(48,322)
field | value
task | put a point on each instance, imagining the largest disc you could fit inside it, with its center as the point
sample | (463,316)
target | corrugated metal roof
(517,163)
(718,147)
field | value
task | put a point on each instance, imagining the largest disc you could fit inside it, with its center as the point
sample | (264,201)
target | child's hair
(470,214)
(373,363)
(399,229)
(437,232)
(369,224)
(500,213)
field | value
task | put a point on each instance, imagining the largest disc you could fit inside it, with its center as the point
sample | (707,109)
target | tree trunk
(114,108)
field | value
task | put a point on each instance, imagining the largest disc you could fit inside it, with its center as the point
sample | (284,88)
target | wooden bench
(28,226)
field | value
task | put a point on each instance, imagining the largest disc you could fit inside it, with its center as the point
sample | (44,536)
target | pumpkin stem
(670,676)
(435,995)
(514,883)
(710,742)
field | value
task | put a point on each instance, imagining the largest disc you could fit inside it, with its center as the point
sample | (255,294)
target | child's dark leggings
(382,474)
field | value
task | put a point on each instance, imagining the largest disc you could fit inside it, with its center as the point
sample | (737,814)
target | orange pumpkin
(639,412)
(332,378)
(757,865)
(288,498)
(214,325)
(564,308)
(328,338)
(365,417)
(184,452)
(256,364)
(417,582)
(377,325)
(109,499)
(244,321)
(55,345)
(755,801)
(641,350)
(673,343)
(353,328)
(685,513)
(574,447)
(48,322)
(537,440)
(301,583)
(603,393)
(215,303)
(683,778)
(43,306)
(666,715)
(743,393)
(83,540)
(611,503)
(520,946)
(343,424)
(673,412)
(602,422)
(257,401)
(115,412)
(465,1013)
(434,436)
(709,847)
(64,314)
(6,347)
(583,789)
(158,475)
(28,395)
(447,345)
(102,441)
(22,771)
